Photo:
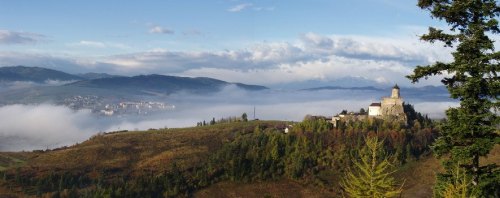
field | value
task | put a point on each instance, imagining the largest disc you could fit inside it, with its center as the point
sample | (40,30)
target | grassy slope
(134,153)
(131,153)
(281,188)
(13,159)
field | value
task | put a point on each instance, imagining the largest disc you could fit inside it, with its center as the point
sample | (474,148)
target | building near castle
(389,108)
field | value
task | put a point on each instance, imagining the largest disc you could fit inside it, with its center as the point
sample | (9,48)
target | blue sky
(272,42)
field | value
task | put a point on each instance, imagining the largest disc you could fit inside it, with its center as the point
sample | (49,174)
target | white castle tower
(395,92)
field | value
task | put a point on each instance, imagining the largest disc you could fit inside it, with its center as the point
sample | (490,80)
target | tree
(469,131)
(362,111)
(458,187)
(244,117)
(372,177)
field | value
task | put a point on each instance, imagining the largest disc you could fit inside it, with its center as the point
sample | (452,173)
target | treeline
(312,152)
(314,146)
(243,118)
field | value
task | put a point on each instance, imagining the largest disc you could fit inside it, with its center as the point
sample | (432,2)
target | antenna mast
(254,112)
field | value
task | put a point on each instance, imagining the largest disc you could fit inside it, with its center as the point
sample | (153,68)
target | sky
(267,42)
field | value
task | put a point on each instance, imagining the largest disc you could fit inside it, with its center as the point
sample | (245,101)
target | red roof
(375,104)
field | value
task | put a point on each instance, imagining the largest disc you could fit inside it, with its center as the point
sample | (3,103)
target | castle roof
(395,86)
(375,104)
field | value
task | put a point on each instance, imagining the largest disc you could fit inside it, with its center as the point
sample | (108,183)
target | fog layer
(28,127)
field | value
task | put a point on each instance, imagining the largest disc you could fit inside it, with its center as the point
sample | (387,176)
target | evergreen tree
(244,117)
(372,177)
(458,187)
(469,131)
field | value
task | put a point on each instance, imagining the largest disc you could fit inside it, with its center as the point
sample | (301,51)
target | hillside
(161,155)
(128,153)
(131,151)
(93,75)
(161,83)
(34,74)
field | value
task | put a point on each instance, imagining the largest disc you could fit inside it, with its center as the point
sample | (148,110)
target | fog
(13,85)
(28,127)
(25,127)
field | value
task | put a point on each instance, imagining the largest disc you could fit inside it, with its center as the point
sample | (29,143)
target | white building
(374,109)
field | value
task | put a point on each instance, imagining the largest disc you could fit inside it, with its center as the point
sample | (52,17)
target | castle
(389,108)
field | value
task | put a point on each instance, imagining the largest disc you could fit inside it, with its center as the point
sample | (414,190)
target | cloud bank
(35,127)
(312,57)
(12,37)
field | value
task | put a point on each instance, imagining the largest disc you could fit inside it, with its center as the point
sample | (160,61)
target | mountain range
(39,88)
(114,86)
(161,83)
(108,81)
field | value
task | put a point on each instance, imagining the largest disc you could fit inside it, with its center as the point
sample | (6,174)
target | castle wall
(392,107)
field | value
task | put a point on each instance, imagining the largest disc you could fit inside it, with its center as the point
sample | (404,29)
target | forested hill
(179,162)
(34,74)
(161,83)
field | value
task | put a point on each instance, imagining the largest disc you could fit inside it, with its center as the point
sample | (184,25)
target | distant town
(106,107)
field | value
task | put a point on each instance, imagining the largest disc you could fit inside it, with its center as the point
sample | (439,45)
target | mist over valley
(41,115)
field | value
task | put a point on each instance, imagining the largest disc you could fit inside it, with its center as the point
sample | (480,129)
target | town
(107,107)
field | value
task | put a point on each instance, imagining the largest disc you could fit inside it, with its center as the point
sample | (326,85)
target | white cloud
(264,8)
(91,44)
(326,69)
(239,7)
(310,57)
(13,37)
(98,44)
(160,30)
(362,47)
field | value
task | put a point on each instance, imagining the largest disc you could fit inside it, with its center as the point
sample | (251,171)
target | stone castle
(389,108)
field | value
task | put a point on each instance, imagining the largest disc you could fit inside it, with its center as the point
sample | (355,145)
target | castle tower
(395,92)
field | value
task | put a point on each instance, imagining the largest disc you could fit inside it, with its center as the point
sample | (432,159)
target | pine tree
(458,187)
(372,177)
(469,131)
(244,117)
